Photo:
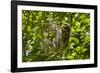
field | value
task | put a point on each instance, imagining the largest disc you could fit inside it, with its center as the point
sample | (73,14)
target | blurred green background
(54,36)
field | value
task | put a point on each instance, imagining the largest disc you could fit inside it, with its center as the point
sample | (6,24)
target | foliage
(45,38)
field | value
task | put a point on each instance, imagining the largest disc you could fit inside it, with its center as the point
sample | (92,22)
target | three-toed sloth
(62,35)
(60,41)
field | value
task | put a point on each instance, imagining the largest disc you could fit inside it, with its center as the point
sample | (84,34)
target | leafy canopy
(39,36)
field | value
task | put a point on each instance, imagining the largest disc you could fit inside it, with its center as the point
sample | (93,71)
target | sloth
(60,40)
(62,36)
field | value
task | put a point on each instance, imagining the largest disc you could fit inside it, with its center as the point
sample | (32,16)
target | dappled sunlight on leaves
(52,36)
